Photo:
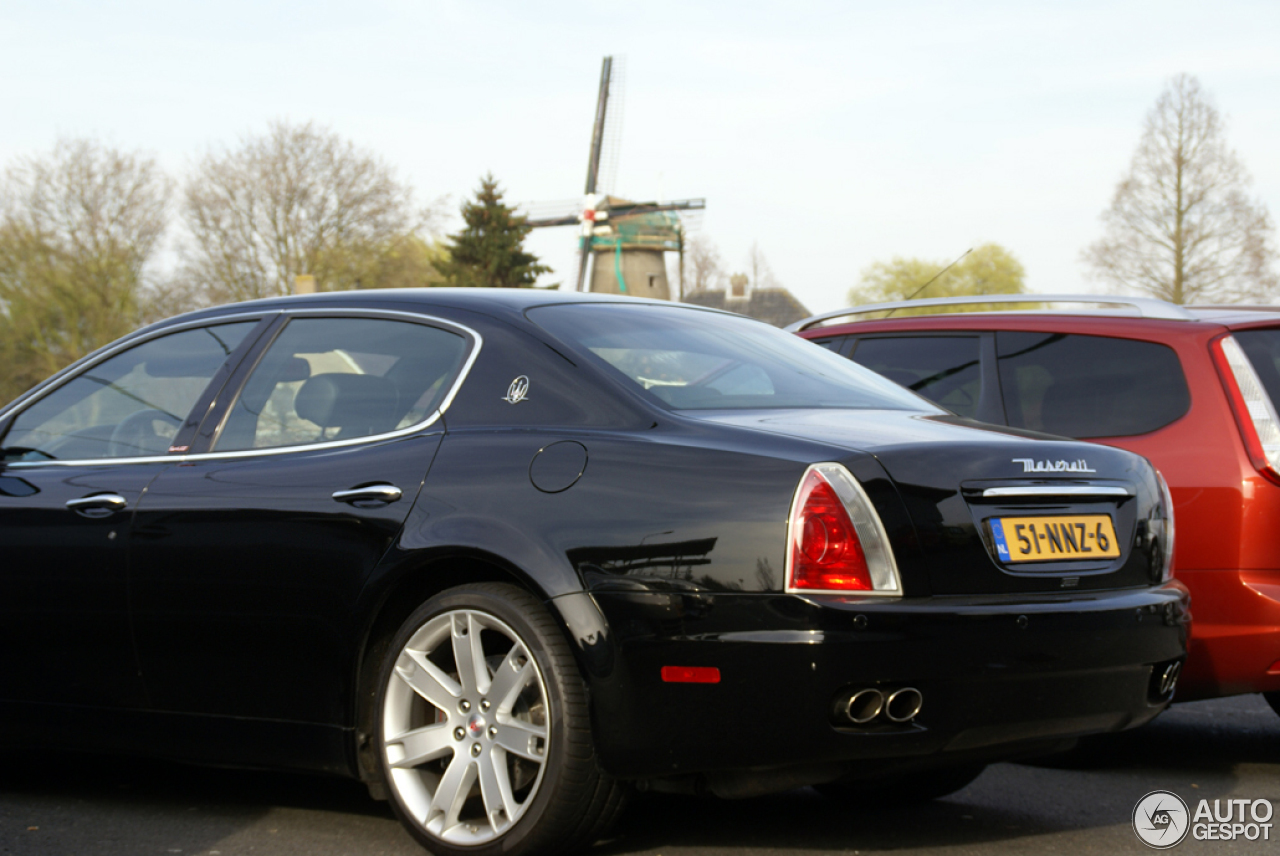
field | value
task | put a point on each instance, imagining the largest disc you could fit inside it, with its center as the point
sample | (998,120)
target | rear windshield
(1262,347)
(690,359)
(1089,386)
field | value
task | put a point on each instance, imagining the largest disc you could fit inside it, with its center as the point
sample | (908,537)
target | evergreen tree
(489,251)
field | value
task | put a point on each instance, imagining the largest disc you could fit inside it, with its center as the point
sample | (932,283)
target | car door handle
(98,502)
(384,493)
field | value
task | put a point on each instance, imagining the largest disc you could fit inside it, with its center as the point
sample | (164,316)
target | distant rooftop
(775,306)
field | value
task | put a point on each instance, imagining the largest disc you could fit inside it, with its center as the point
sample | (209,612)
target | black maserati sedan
(507,556)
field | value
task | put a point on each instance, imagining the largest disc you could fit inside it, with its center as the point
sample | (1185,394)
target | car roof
(508,303)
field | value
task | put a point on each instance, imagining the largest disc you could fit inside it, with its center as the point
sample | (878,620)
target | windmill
(622,243)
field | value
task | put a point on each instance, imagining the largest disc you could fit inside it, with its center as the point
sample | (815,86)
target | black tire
(523,775)
(1273,699)
(917,787)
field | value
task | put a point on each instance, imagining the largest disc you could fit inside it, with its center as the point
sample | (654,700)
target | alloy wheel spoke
(453,789)
(495,788)
(427,680)
(468,652)
(512,676)
(522,738)
(422,744)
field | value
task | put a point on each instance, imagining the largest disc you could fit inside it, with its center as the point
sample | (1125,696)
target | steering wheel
(136,435)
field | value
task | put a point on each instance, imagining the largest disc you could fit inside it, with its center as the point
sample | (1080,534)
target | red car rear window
(1089,386)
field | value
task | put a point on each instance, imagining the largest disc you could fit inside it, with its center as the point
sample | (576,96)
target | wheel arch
(415,579)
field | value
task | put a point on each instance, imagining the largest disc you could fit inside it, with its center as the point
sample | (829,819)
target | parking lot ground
(53,803)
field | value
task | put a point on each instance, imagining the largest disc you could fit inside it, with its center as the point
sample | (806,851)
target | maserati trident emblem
(1031,465)
(518,390)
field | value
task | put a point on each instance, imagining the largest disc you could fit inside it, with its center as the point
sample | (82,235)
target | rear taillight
(835,540)
(1166,499)
(1255,414)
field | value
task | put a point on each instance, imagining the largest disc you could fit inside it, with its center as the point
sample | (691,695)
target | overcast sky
(834,133)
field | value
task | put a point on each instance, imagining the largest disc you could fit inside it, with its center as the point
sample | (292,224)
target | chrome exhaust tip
(903,705)
(1169,678)
(863,706)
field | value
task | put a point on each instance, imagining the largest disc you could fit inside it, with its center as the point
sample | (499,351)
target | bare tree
(1181,225)
(761,273)
(703,267)
(301,200)
(78,230)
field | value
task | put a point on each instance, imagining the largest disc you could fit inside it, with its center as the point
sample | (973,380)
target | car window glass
(327,379)
(1089,386)
(1262,347)
(697,360)
(944,369)
(129,405)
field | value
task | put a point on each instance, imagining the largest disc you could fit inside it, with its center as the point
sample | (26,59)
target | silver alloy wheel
(465,727)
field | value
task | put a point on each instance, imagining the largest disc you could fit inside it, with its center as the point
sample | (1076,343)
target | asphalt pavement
(53,803)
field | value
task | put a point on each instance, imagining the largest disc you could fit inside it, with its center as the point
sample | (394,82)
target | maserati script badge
(518,390)
(1031,465)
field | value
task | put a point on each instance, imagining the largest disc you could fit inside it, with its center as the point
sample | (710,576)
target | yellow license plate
(1078,537)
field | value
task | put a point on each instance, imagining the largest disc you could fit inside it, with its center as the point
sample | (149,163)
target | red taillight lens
(1253,408)
(826,552)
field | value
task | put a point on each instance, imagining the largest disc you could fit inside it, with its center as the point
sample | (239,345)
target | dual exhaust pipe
(863,706)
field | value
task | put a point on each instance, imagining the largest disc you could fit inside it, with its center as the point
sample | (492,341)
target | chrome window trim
(1059,490)
(431,419)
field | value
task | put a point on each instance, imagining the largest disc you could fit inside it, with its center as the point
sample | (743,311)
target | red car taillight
(1166,500)
(1254,411)
(835,541)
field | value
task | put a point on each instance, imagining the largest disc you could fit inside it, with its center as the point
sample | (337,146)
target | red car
(1191,388)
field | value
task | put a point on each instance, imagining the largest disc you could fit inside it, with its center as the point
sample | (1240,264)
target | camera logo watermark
(1161,820)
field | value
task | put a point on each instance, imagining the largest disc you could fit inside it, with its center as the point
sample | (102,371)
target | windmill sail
(612,226)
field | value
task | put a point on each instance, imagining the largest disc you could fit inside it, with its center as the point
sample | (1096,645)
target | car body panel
(259,624)
(65,630)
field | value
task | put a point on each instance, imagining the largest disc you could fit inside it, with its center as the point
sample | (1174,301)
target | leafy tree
(78,228)
(489,251)
(987,269)
(1181,225)
(299,199)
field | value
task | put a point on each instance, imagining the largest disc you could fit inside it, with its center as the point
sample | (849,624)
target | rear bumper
(1236,635)
(997,674)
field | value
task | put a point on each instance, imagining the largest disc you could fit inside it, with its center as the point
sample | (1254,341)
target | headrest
(358,404)
(262,384)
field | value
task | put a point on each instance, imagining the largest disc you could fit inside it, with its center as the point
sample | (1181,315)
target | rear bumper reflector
(690,675)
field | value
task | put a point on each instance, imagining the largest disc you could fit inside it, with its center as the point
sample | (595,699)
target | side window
(944,369)
(328,379)
(129,405)
(831,344)
(1089,386)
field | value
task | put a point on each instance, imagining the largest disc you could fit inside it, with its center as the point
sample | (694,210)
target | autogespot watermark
(1162,819)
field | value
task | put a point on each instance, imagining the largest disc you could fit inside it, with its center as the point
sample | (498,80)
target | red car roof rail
(1145,307)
